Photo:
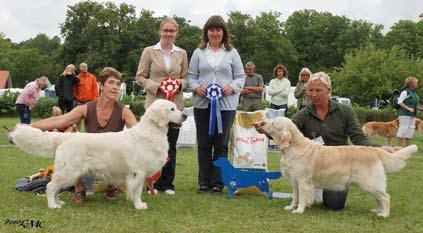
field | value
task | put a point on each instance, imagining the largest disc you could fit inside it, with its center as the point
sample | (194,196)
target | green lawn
(191,212)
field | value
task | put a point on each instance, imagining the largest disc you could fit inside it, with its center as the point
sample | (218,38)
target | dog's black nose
(184,115)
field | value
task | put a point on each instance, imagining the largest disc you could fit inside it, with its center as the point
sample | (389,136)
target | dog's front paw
(141,206)
(299,210)
(384,215)
(54,206)
(290,207)
(375,211)
(61,203)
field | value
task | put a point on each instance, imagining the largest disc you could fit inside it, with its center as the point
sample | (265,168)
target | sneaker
(169,192)
(217,190)
(155,192)
(111,193)
(203,189)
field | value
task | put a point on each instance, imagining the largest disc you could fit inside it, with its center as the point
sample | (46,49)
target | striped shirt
(29,94)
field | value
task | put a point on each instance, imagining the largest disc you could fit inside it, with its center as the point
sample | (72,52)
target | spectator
(29,96)
(87,88)
(408,102)
(253,89)
(301,89)
(64,88)
(279,88)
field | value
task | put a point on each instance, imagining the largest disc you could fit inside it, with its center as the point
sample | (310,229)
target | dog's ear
(285,139)
(159,116)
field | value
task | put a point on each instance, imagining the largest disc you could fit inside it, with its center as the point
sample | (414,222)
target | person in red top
(87,89)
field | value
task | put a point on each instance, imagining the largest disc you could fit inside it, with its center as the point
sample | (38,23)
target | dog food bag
(250,147)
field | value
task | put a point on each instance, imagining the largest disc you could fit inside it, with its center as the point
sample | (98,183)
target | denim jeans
(24,113)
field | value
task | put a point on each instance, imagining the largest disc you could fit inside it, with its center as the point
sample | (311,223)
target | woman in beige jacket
(158,63)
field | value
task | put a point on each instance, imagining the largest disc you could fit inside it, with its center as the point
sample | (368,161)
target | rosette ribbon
(214,93)
(170,87)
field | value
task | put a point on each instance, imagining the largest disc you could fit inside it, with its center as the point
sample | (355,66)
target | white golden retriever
(308,165)
(133,154)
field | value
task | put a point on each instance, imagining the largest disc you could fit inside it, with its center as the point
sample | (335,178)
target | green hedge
(366,114)
(44,105)
(7,104)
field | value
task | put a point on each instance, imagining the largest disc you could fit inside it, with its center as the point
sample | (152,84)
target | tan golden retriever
(309,165)
(130,155)
(419,125)
(387,130)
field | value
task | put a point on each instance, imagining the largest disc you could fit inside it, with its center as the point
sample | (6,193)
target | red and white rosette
(170,87)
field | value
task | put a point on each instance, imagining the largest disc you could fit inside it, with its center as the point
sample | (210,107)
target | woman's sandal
(111,192)
(79,197)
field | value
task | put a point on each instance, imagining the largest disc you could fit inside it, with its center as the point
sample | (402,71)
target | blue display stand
(235,178)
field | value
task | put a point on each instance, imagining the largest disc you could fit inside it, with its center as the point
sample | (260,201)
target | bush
(365,114)
(44,107)
(136,104)
(291,111)
(7,104)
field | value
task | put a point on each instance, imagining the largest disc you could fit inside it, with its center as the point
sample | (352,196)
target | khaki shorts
(407,124)
(250,105)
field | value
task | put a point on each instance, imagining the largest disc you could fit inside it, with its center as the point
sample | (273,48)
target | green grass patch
(188,211)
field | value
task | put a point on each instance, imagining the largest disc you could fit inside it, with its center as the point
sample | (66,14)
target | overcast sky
(24,19)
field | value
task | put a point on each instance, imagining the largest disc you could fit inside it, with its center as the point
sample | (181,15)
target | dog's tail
(36,142)
(393,162)
(273,175)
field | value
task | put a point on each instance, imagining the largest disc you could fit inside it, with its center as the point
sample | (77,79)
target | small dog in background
(419,126)
(387,130)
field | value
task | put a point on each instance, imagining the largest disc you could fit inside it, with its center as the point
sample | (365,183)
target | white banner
(188,133)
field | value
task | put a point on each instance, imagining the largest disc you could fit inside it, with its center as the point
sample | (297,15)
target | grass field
(191,212)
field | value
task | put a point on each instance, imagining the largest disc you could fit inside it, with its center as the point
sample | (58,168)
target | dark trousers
(65,105)
(168,171)
(210,149)
(277,107)
(334,200)
(24,113)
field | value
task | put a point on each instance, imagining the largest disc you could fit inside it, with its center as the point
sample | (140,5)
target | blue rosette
(214,93)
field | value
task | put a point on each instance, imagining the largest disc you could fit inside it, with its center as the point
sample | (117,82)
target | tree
(262,41)
(26,61)
(370,73)
(407,35)
(43,44)
(321,39)
(100,34)
(188,36)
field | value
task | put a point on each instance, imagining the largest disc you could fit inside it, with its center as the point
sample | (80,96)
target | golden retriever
(132,154)
(419,125)
(309,165)
(387,130)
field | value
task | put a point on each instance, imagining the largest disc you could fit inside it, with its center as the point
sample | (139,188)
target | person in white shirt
(279,88)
